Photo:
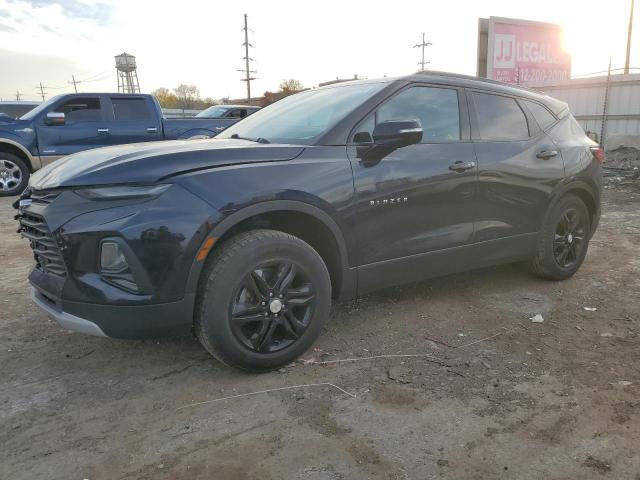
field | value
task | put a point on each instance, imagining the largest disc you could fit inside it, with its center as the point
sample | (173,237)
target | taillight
(598,154)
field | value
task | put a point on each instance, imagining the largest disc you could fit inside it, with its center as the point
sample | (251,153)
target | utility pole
(247,69)
(423,45)
(75,83)
(18,96)
(42,92)
(626,61)
(605,106)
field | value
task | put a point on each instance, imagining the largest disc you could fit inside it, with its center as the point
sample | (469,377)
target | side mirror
(54,118)
(397,133)
(387,137)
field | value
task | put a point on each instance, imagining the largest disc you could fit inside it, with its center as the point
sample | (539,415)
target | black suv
(330,193)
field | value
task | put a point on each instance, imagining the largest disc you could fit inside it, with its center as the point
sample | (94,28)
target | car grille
(45,250)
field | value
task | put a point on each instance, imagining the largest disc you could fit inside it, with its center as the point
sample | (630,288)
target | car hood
(10,124)
(153,161)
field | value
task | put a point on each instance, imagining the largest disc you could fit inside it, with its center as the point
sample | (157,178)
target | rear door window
(500,118)
(130,109)
(541,114)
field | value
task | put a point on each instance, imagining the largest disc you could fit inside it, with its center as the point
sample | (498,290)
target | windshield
(43,106)
(213,112)
(302,118)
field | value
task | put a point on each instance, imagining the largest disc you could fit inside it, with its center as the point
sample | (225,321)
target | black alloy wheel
(263,298)
(563,240)
(272,307)
(569,239)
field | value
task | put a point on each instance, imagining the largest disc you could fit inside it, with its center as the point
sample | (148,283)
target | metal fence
(586,99)
(179,113)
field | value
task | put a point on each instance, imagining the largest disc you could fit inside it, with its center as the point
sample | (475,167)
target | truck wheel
(564,240)
(263,299)
(14,175)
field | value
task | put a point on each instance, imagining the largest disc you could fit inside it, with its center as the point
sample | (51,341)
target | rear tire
(14,175)
(564,240)
(263,300)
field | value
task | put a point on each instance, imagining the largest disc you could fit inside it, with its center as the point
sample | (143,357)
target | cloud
(6,28)
(4,13)
(100,13)
(28,70)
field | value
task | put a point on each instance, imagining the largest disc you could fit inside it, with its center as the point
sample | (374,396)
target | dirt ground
(498,396)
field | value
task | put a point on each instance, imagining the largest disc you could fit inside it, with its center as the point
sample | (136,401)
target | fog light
(112,258)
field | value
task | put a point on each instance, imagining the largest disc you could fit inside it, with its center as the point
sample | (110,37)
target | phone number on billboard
(542,75)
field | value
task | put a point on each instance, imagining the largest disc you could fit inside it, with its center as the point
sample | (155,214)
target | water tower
(127,73)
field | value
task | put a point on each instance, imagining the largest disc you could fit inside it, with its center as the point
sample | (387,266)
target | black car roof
(468,81)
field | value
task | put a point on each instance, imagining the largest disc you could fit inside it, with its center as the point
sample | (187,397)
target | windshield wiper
(257,140)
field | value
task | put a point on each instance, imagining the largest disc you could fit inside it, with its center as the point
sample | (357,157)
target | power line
(97,75)
(96,79)
(422,45)
(604,71)
(247,70)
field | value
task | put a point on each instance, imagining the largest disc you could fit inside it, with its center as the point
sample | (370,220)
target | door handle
(220,128)
(152,129)
(460,166)
(546,154)
(103,131)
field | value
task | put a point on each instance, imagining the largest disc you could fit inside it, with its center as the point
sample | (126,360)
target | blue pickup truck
(71,123)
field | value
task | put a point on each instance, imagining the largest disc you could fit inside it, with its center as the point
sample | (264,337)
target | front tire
(14,175)
(263,300)
(564,240)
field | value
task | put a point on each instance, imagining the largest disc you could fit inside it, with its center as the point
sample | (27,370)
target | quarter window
(500,118)
(541,114)
(130,109)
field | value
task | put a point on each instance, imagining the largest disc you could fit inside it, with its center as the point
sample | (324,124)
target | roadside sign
(521,51)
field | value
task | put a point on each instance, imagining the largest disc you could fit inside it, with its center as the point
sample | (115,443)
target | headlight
(122,192)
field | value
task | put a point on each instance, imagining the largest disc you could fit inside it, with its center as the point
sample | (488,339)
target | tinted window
(541,114)
(130,109)
(237,113)
(435,108)
(81,109)
(500,118)
(213,112)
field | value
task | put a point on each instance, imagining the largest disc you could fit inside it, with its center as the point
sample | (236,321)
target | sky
(199,42)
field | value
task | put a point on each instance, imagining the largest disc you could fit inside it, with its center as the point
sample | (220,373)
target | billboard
(521,51)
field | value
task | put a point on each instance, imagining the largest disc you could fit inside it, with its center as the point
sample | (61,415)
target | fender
(197,132)
(349,277)
(32,160)
(574,184)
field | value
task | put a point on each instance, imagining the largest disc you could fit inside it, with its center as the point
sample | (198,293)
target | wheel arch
(9,146)
(197,133)
(586,193)
(303,220)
